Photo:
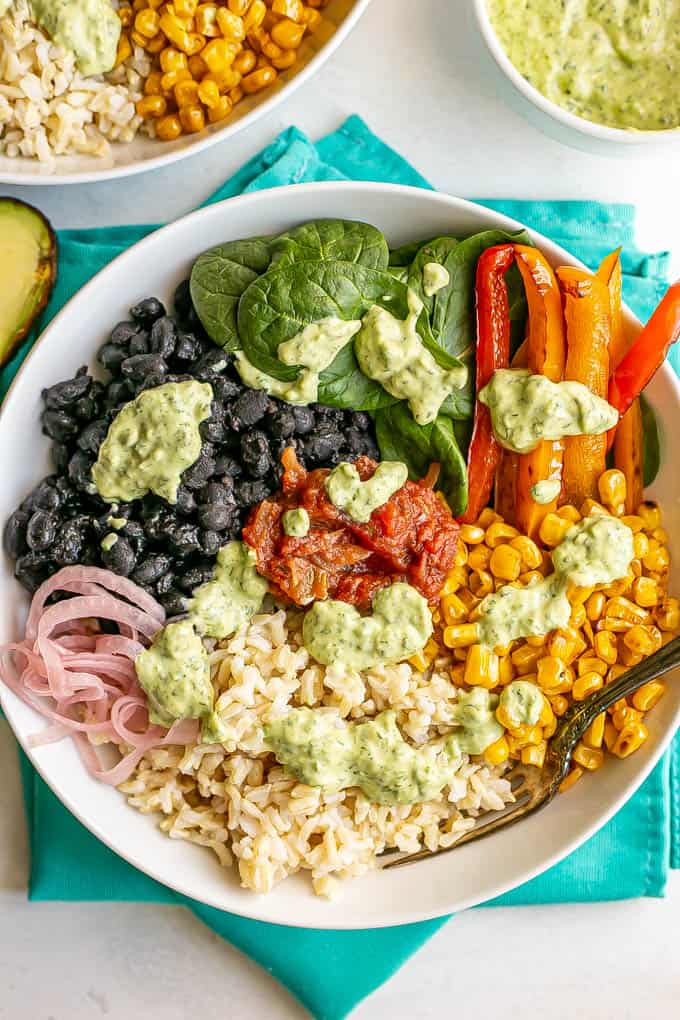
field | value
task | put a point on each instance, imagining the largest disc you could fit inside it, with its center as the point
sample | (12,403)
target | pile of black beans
(168,549)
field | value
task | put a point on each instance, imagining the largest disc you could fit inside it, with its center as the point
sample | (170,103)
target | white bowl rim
(203,141)
(257,909)
(626,136)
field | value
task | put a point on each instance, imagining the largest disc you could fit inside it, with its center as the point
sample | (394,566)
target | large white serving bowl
(434,887)
(557,122)
(339,18)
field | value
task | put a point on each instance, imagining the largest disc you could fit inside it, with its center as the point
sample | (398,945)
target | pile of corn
(208,56)
(611,629)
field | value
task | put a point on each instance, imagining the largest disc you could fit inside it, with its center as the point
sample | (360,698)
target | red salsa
(410,538)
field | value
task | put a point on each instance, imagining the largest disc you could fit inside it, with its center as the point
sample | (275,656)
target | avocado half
(28,271)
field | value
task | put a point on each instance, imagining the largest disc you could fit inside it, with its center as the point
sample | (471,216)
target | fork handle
(576,722)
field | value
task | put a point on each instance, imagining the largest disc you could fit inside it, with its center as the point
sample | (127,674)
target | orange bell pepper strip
(493,351)
(628,438)
(588,321)
(545,356)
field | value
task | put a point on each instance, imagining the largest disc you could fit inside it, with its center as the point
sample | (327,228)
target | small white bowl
(558,122)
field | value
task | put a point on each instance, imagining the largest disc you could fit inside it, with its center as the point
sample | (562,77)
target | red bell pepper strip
(647,353)
(493,352)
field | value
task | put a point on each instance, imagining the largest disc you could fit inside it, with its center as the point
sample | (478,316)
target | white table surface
(417,74)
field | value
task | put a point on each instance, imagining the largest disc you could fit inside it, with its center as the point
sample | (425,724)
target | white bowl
(447,883)
(555,120)
(339,18)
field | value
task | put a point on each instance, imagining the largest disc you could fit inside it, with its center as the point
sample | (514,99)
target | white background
(415,70)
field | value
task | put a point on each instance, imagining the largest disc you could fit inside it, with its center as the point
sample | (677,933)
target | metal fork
(535,787)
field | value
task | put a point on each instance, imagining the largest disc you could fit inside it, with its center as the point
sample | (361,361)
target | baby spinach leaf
(418,446)
(346,240)
(218,279)
(434,251)
(651,446)
(279,304)
(344,385)
(405,253)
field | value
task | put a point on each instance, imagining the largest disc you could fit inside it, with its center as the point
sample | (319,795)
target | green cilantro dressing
(318,344)
(546,491)
(320,749)
(526,409)
(151,441)
(359,499)
(435,277)
(175,675)
(116,522)
(522,702)
(108,541)
(614,62)
(296,522)
(596,551)
(391,351)
(401,623)
(303,390)
(222,605)
(90,29)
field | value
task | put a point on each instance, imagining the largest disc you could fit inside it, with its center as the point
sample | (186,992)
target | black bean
(248,408)
(46,495)
(151,569)
(255,454)
(187,347)
(186,503)
(123,332)
(211,542)
(68,546)
(92,436)
(196,476)
(304,420)
(215,516)
(31,570)
(64,394)
(148,310)
(134,532)
(59,425)
(195,576)
(360,420)
(165,583)
(86,408)
(139,344)
(321,444)
(184,538)
(225,389)
(14,534)
(157,524)
(61,455)
(226,465)
(214,431)
(218,492)
(249,493)
(182,299)
(80,470)
(173,602)
(42,530)
(141,366)
(281,423)
(111,357)
(163,336)
(211,364)
(120,557)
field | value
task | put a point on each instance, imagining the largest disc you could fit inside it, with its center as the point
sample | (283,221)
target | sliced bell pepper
(545,356)
(588,321)
(647,353)
(493,352)
(628,438)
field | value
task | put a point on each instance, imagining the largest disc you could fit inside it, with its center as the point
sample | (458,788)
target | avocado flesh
(28,262)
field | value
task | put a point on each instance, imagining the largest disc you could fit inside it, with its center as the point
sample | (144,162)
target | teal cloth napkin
(629,857)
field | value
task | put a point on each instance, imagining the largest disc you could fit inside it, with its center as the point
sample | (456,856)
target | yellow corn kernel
(152,85)
(312,19)
(504,718)
(293,9)
(605,647)
(640,545)
(455,579)
(258,80)
(147,23)
(461,635)
(488,517)
(185,8)
(524,736)
(525,658)
(595,606)
(254,16)
(273,52)
(530,577)
(168,128)
(238,6)
(551,672)
(192,118)
(505,562)
(559,704)
(505,669)
(642,640)
(479,557)
(173,60)
(470,600)
(206,21)
(126,15)
(590,758)
(124,49)
(480,581)
(567,645)
(648,695)
(171,78)
(453,609)
(591,506)
(460,555)
(197,66)
(578,617)
(499,532)
(152,106)
(571,778)
(186,93)
(634,522)
(591,664)
(244,62)
(553,529)
(218,54)
(498,752)
(630,738)
(209,94)
(232,26)
(612,487)
(585,685)
(528,550)
(471,534)
(611,734)
(174,30)
(613,625)
(481,667)
(667,614)
(621,608)
(657,557)
(594,735)
(650,514)
(624,716)
(535,755)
